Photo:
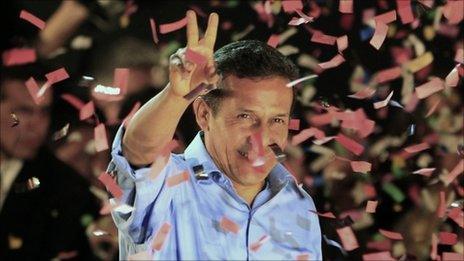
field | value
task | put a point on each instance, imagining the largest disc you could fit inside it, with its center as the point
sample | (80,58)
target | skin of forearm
(60,26)
(152,127)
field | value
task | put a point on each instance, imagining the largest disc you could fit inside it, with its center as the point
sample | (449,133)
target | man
(228,206)
(44,204)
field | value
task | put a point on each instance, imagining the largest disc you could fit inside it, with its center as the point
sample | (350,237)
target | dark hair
(248,59)
(21,73)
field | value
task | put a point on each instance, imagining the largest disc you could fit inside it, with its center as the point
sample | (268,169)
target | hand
(184,76)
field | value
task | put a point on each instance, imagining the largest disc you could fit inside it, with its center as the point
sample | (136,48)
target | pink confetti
(32,19)
(448,238)
(306,134)
(457,215)
(160,236)
(290,6)
(386,18)
(101,141)
(342,43)
(371,206)
(319,37)
(453,11)
(429,88)
(361,166)
(433,108)
(33,90)
(229,225)
(348,238)
(334,62)
(303,257)
(73,100)
(273,40)
(345,6)
(451,256)
(433,249)
(177,179)
(257,245)
(297,21)
(417,147)
(424,171)
(17,56)
(405,11)
(294,124)
(388,75)
(174,26)
(381,104)
(441,205)
(458,169)
(57,76)
(111,185)
(196,58)
(363,94)
(391,234)
(154,33)
(350,144)
(380,34)
(87,111)
(121,79)
(384,255)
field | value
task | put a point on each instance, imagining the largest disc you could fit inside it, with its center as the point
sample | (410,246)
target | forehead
(260,93)
(15,92)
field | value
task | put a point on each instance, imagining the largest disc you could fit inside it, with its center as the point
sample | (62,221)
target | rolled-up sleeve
(139,191)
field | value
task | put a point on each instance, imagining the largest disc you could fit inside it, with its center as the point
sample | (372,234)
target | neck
(248,193)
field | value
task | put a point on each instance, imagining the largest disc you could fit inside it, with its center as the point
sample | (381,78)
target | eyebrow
(252,111)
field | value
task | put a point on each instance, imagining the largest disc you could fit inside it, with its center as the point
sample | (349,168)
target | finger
(211,31)
(192,29)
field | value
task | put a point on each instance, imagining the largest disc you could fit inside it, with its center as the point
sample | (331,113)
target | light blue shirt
(194,208)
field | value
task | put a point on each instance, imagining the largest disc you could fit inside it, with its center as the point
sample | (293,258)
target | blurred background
(378,168)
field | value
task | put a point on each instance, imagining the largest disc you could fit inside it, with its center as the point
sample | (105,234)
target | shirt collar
(197,154)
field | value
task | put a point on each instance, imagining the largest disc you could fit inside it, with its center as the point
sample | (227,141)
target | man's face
(23,140)
(254,106)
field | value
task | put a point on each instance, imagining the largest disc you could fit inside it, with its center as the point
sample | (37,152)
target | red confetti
(386,18)
(160,236)
(273,40)
(73,100)
(177,179)
(361,166)
(87,111)
(345,6)
(196,58)
(154,33)
(110,184)
(18,56)
(417,148)
(174,26)
(371,206)
(391,234)
(322,38)
(348,238)
(229,225)
(384,255)
(290,6)
(101,141)
(380,34)
(448,238)
(32,19)
(334,62)
(429,88)
(294,124)
(350,144)
(405,11)
(57,76)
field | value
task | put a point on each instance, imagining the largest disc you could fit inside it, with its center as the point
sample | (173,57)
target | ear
(202,113)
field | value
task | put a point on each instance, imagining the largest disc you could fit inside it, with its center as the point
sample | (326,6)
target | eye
(244,116)
(279,120)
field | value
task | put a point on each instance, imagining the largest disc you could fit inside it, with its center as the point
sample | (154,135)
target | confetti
(196,58)
(405,11)
(255,246)
(348,238)
(121,79)
(101,141)
(371,206)
(294,124)
(451,256)
(379,35)
(161,236)
(297,81)
(453,11)
(447,238)
(386,18)
(154,34)
(363,94)
(111,185)
(33,90)
(73,100)
(361,166)
(452,78)
(384,255)
(87,111)
(388,75)
(326,214)
(174,26)
(39,23)
(424,171)
(417,147)
(350,144)
(177,179)
(61,133)
(345,6)
(291,6)
(391,234)
(273,40)
(429,88)
(458,169)
(229,225)
(342,43)
(18,56)
(57,76)
(334,62)
(381,104)
(319,37)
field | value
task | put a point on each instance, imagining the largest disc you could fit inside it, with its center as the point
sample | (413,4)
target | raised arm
(153,126)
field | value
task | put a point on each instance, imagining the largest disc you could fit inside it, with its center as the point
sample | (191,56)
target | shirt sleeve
(144,193)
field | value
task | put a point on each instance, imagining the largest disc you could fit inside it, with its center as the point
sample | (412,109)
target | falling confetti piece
(381,104)
(345,6)
(371,206)
(348,238)
(61,133)
(57,76)
(154,34)
(101,141)
(447,238)
(257,245)
(18,56)
(39,23)
(294,124)
(417,148)
(161,236)
(380,34)
(424,171)
(87,111)
(174,26)
(391,234)
(350,144)
(429,88)
(229,225)
(297,81)
(361,166)
(111,185)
